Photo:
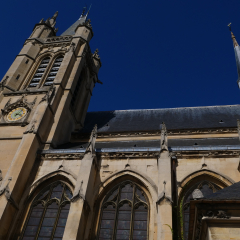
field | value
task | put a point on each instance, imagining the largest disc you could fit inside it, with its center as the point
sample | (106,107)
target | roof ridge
(128,110)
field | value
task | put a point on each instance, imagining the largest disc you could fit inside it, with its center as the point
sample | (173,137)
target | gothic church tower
(44,96)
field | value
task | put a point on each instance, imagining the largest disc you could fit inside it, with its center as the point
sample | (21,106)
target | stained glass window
(124,214)
(48,214)
(206,188)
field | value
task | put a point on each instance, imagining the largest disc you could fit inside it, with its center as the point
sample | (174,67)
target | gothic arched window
(48,214)
(206,189)
(124,214)
(39,73)
(54,70)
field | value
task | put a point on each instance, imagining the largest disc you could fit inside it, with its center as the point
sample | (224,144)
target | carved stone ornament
(96,55)
(198,226)
(72,47)
(164,139)
(88,23)
(20,103)
(3,82)
(197,194)
(58,39)
(78,195)
(217,214)
(91,144)
(49,95)
(163,196)
(32,128)
(5,189)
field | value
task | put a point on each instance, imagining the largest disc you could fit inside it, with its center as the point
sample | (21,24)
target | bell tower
(44,96)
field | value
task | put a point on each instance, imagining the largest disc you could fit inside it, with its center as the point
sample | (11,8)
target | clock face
(16,114)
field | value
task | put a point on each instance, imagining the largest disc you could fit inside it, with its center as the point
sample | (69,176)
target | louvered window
(53,72)
(76,90)
(124,214)
(48,214)
(39,73)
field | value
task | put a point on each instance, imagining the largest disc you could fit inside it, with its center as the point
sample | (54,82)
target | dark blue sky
(155,54)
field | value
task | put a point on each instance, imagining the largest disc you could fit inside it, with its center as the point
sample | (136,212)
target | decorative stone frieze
(157,133)
(73,156)
(58,39)
(218,214)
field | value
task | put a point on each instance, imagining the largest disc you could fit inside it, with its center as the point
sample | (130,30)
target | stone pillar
(164,202)
(75,225)
(14,182)
(76,213)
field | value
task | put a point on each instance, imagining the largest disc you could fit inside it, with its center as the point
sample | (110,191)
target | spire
(81,21)
(237,53)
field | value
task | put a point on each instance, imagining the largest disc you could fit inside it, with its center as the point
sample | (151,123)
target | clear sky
(155,54)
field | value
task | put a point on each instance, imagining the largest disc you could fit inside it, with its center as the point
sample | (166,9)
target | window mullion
(44,212)
(40,225)
(132,213)
(57,217)
(116,213)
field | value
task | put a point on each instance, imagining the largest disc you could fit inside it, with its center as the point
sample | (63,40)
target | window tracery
(206,188)
(124,214)
(48,213)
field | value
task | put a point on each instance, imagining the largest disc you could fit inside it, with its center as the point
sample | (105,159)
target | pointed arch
(48,212)
(138,175)
(128,175)
(221,178)
(63,174)
(124,212)
(208,182)
(54,67)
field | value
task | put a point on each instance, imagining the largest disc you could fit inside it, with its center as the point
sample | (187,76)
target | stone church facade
(65,173)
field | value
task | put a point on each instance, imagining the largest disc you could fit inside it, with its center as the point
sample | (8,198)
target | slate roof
(229,193)
(71,30)
(156,143)
(174,118)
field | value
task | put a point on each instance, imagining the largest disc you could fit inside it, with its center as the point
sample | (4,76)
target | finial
(89,10)
(84,15)
(55,15)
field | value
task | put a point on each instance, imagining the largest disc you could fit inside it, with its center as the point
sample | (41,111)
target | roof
(228,193)
(155,143)
(174,118)
(71,30)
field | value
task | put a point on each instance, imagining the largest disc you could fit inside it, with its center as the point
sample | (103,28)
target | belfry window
(48,214)
(53,72)
(39,73)
(124,214)
(206,188)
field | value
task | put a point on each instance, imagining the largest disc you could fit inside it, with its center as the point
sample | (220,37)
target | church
(149,174)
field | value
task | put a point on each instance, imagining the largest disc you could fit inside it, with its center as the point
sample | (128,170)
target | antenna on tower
(230,28)
(88,10)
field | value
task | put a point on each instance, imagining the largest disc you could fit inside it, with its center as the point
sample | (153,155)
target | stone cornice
(171,133)
(77,154)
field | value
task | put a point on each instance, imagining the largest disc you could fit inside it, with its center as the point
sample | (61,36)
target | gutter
(143,149)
